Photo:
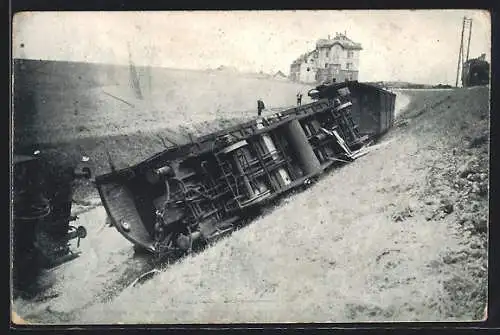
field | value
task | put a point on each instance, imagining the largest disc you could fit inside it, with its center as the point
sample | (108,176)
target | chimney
(328,36)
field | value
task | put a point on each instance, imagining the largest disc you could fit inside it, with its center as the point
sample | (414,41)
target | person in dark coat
(260,106)
(299,98)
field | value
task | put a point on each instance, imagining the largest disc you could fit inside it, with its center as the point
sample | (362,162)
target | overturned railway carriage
(372,107)
(195,192)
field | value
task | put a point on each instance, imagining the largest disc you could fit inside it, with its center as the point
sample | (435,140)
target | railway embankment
(398,235)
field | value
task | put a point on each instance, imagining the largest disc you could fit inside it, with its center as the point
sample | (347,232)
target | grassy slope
(72,107)
(375,240)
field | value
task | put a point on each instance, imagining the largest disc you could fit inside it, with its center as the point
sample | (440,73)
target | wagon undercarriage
(191,194)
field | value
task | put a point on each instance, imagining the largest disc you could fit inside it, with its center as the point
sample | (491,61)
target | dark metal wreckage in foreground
(42,201)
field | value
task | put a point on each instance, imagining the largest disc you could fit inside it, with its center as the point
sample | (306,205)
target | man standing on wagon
(260,106)
(299,98)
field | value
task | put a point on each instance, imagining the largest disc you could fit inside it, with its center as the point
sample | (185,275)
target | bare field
(91,109)
(398,235)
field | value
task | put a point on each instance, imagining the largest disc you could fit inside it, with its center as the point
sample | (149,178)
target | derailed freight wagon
(195,192)
(372,106)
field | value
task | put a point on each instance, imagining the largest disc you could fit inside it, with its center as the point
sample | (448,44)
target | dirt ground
(398,235)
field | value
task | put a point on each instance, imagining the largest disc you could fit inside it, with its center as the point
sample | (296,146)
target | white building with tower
(333,59)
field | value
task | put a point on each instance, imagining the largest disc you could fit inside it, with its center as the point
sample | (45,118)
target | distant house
(334,59)
(280,76)
(229,69)
(304,68)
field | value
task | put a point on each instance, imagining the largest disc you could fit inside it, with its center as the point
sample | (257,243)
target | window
(348,66)
(350,53)
(327,54)
(308,69)
(326,65)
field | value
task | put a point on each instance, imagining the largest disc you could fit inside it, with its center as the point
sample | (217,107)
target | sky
(409,45)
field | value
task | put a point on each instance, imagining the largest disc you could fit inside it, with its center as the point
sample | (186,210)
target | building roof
(279,74)
(340,39)
(303,58)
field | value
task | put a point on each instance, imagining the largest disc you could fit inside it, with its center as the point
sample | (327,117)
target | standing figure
(299,98)
(260,106)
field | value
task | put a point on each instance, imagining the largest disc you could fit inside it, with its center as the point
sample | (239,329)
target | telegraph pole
(136,84)
(469,22)
(460,52)
(466,25)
